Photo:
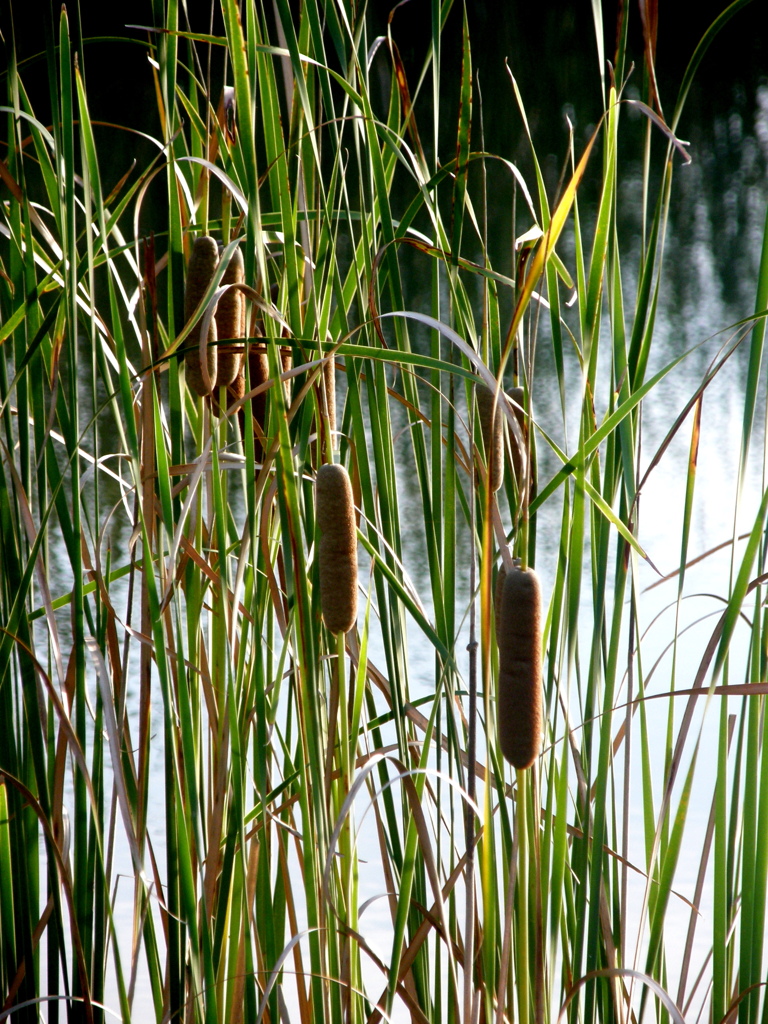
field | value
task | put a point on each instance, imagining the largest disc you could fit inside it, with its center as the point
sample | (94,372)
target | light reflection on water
(712,256)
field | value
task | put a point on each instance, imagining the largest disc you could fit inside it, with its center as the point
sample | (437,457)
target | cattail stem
(523,953)
(329,396)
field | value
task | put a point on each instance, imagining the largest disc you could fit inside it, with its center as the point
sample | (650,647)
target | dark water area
(717,215)
(719,198)
(550,48)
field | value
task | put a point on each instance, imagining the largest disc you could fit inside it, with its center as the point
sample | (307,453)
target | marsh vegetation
(217,803)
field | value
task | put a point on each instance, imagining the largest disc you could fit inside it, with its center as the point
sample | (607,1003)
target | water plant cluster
(214,807)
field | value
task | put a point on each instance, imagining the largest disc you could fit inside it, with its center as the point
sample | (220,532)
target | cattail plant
(519,456)
(193,699)
(258,370)
(498,593)
(326,401)
(235,392)
(338,548)
(230,322)
(492,427)
(329,387)
(236,389)
(201,268)
(519,702)
(286,364)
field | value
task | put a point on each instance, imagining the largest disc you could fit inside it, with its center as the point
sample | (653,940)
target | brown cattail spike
(200,271)
(236,389)
(338,548)
(519,702)
(492,427)
(229,322)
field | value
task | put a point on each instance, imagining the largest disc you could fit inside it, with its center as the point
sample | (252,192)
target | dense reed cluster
(291,730)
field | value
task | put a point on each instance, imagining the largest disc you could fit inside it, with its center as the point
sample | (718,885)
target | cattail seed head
(492,427)
(519,700)
(200,270)
(230,321)
(235,392)
(236,389)
(519,458)
(338,548)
